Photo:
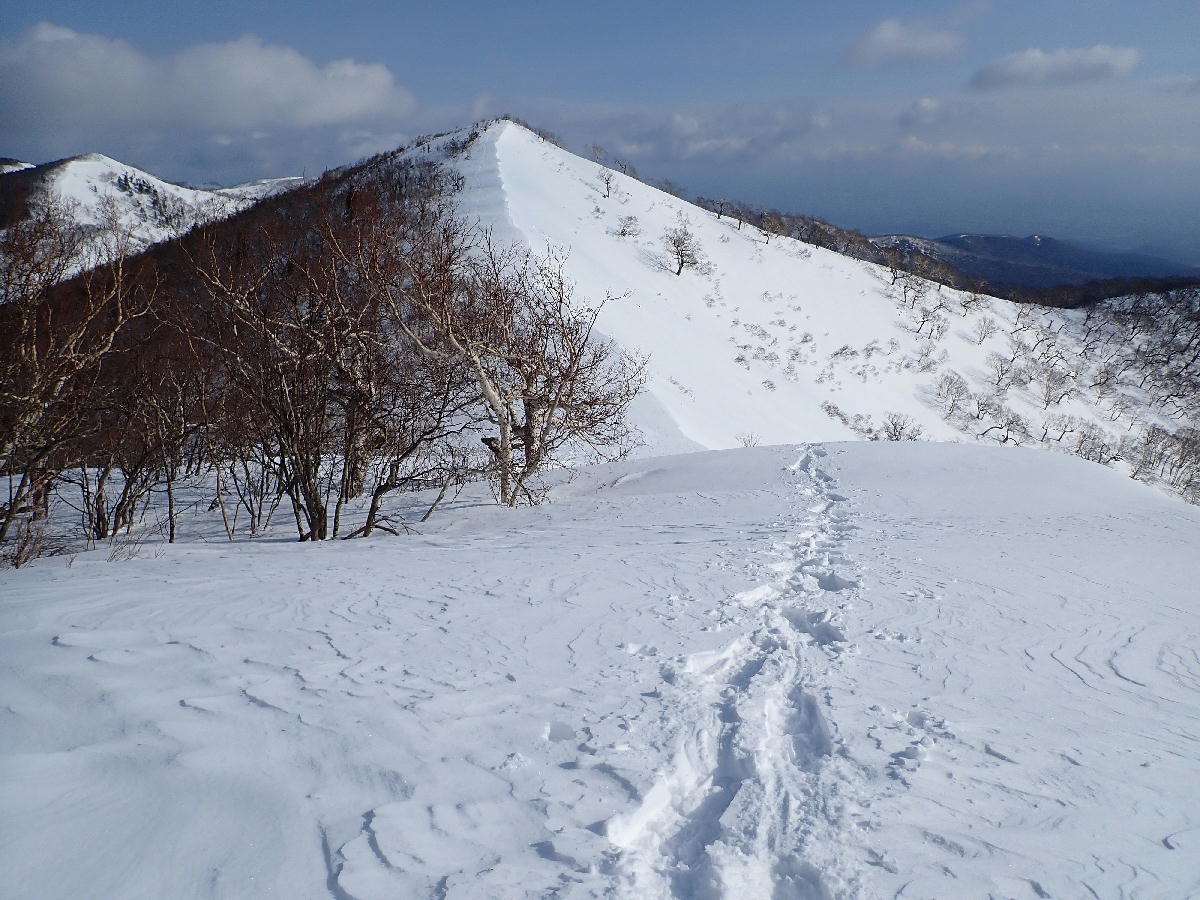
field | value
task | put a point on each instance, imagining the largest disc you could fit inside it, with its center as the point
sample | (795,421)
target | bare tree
(1007,426)
(984,329)
(607,178)
(683,248)
(548,388)
(927,317)
(912,289)
(899,427)
(628,226)
(1001,369)
(54,339)
(321,362)
(1057,384)
(670,187)
(893,259)
(952,392)
(970,302)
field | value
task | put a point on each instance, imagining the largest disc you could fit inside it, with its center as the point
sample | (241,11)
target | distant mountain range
(1033,262)
(98,188)
(156,210)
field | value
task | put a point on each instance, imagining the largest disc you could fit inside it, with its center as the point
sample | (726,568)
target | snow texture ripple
(857,670)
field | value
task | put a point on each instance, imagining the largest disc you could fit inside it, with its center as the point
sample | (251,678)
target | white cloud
(1065,66)
(929,112)
(59,86)
(895,41)
(958,151)
(246,82)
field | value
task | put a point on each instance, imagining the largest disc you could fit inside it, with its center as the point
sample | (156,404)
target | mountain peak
(94,187)
(85,159)
(96,158)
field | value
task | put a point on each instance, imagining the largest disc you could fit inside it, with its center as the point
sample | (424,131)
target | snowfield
(818,670)
(853,670)
(757,343)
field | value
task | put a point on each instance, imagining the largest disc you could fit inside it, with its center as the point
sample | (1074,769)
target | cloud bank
(1057,67)
(59,86)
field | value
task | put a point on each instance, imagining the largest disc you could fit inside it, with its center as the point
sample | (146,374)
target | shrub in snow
(683,248)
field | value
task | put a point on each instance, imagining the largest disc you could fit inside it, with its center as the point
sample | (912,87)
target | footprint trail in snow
(822,672)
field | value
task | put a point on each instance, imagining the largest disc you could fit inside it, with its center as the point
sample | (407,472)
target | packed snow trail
(848,671)
(752,803)
(459,713)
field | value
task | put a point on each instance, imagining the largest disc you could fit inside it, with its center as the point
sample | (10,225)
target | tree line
(316,353)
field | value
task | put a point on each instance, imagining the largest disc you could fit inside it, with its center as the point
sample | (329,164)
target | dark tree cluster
(338,343)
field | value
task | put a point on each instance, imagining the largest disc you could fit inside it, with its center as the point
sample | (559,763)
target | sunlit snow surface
(851,670)
(768,332)
(924,670)
(145,210)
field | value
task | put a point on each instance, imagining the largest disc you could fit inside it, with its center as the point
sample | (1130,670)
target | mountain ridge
(773,340)
(1034,261)
(100,190)
(764,338)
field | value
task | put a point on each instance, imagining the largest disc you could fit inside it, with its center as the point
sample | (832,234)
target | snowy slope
(150,210)
(261,188)
(862,670)
(781,341)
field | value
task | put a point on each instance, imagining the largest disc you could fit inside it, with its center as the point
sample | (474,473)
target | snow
(756,347)
(847,670)
(262,188)
(89,180)
(806,670)
(149,209)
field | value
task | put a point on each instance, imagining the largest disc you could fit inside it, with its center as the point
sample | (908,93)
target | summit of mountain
(769,339)
(97,189)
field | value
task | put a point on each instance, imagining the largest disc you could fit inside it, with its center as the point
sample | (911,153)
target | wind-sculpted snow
(847,671)
(1027,675)
(753,802)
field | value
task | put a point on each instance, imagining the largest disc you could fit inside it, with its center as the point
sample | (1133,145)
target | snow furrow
(751,802)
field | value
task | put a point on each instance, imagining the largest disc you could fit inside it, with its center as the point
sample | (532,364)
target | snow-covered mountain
(98,189)
(261,188)
(772,340)
(1035,261)
(831,668)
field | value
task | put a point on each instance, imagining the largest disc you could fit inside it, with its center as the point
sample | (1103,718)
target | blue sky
(1079,119)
